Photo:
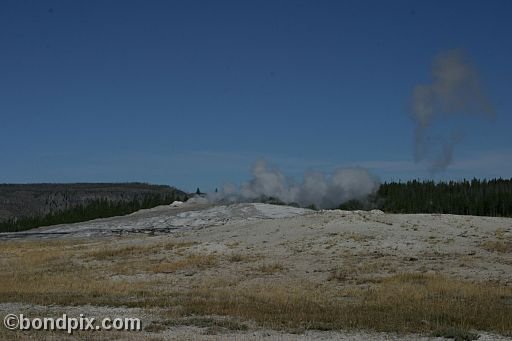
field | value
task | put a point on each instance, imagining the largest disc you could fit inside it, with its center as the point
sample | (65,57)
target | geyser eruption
(455,92)
(319,189)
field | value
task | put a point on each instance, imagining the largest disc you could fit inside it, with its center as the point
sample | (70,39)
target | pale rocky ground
(309,245)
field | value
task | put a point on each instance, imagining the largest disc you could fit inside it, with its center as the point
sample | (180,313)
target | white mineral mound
(176,216)
(220,215)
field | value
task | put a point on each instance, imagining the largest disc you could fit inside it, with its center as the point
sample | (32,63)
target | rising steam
(319,189)
(455,91)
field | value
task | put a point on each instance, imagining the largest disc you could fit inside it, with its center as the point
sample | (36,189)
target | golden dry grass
(402,303)
(126,251)
(61,272)
(137,250)
(77,273)
(194,261)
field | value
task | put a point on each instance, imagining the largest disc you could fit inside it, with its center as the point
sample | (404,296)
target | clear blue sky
(190,93)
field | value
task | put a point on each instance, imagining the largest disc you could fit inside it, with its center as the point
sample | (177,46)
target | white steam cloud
(319,189)
(455,91)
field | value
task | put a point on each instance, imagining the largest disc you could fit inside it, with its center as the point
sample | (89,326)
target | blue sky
(191,93)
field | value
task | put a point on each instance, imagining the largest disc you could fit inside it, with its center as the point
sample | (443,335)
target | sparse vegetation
(338,275)
(194,261)
(502,246)
(236,257)
(456,334)
(270,268)
(143,250)
(122,252)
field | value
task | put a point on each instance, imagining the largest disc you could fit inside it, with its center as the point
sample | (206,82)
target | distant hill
(18,201)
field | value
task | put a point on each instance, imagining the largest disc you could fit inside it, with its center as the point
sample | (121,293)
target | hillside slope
(29,200)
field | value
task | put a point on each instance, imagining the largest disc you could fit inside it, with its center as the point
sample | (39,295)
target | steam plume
(319,189)
(455,91)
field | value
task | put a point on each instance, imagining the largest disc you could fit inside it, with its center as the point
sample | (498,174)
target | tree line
(93,209)
(468,197)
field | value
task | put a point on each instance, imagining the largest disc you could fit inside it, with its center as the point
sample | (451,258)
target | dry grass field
(338,275)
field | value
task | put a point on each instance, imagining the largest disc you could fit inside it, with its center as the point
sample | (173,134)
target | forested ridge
(98,208)
(25,206)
